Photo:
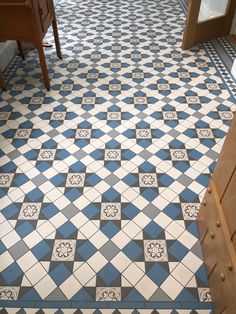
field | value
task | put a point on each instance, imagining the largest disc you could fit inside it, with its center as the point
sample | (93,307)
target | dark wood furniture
(28,21)
(217,228)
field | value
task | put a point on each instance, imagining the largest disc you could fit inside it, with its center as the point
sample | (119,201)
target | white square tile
(182,274)
(133,273)
(10,239)
(174,229)
(45,286)
(146,287)
(121,239)
(88,229)
(27,261)
(5,228)
(121,261)
(45,229)
(192,262)
(171,287)
(36,273)
(5,260)
(187,239)
(84,274)
(99,239)
(97,261)
(131,229)
(32,239)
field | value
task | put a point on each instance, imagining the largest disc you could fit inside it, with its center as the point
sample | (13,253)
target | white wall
(8,50)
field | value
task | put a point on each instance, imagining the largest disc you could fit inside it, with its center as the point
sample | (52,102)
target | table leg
(43,66)
(56,38)
(21,51)
(2,84)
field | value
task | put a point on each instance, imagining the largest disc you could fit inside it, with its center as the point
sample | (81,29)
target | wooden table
(28,21)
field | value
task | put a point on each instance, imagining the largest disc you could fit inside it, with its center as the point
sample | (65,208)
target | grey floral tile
(155,250)
(63,250)
(108,294)
(111,211)
(30,211)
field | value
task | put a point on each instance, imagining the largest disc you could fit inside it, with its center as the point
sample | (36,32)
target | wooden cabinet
(217,228)
(28,21)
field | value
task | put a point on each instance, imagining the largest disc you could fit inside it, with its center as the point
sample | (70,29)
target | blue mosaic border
(109,305)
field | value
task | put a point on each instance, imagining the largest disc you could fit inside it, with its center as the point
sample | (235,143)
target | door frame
(196,33)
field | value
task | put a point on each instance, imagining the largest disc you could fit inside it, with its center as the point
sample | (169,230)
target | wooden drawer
(227,161)
(229,205)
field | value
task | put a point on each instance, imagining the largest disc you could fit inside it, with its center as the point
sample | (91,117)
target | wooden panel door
(227,161)
(206,20)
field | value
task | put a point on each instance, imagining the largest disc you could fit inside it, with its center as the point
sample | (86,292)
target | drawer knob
(212,235)
(222,276)
(230,267)
(218,224)
(204,202)
(209,190)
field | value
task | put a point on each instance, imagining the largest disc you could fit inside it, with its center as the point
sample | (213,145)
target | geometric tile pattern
(102,177)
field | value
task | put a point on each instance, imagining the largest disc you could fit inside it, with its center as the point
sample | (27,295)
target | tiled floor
(102,177)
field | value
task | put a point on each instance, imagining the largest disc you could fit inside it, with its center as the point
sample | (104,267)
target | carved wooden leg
(43,66)
(56,38)
(2,84)
(21,51)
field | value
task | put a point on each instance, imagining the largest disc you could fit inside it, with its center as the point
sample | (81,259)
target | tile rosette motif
(112,154)
(190,210)
(75,179)
(9,293)
(155,251)
(204,294)
(47,154)
(143,134)
(112,294)
(179,154)
(64,250)
(226,115)
(111,211)
(58,115)
(4,115)
(170,115)
(114,116)
(148,180)
(83,134)
(205,133)
(22,133)
(6,179)
(30,211)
